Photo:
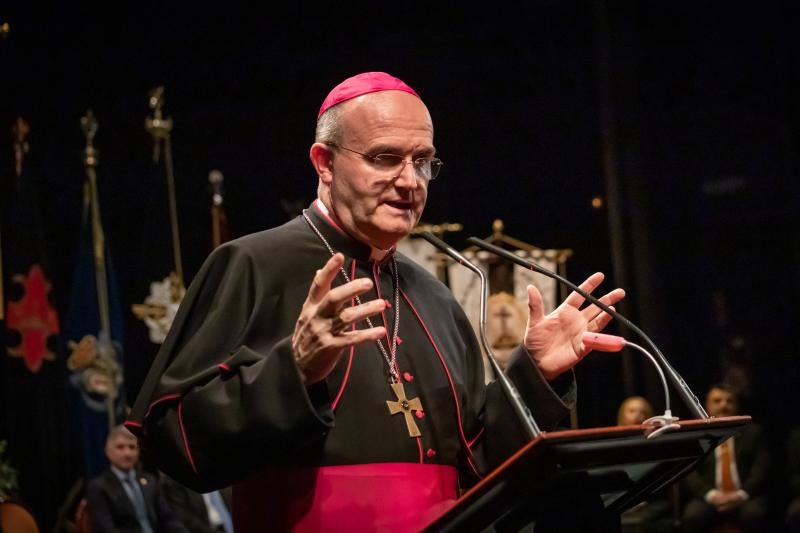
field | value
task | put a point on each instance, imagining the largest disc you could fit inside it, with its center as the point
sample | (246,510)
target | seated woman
(634,410)
(654,514)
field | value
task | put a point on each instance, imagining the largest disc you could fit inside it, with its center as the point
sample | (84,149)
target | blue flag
(94,333)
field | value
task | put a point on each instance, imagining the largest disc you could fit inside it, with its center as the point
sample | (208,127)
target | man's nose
(407,178)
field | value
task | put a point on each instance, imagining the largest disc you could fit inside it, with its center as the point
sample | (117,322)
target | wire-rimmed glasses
(426,168)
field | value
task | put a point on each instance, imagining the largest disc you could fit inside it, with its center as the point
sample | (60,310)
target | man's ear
(322,158)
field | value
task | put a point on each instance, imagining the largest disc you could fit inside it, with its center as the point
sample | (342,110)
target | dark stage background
(681,116)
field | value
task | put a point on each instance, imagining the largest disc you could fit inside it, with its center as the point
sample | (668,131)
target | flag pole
(90,161)
(19,131)
(159,128)
(218,218)
(158,309)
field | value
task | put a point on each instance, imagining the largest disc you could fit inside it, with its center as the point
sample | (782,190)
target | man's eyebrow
(394,149)
(384,149)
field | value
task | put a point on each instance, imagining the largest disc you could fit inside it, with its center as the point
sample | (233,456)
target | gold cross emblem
(405,406)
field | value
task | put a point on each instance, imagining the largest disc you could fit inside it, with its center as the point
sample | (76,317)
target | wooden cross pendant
(405,406)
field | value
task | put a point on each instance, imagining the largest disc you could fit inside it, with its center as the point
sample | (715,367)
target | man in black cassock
(334,382)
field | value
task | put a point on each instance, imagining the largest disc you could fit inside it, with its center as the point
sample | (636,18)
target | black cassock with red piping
(224,398)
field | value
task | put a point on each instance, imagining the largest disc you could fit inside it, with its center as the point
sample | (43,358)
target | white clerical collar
(375,254)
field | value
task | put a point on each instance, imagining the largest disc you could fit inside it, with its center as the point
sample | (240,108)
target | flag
(32,367)
(94,333)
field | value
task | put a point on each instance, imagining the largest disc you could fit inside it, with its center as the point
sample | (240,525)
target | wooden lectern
(619,466)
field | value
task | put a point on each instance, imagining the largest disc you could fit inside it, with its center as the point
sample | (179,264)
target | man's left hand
(555,340)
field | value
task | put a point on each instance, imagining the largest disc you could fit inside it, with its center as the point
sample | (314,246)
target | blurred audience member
(122,499)
(652,515)
(200,513)
(634,410)
(729,485)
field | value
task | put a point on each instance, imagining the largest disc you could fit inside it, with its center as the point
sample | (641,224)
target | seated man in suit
(200,513)
(122,499)
(730,484)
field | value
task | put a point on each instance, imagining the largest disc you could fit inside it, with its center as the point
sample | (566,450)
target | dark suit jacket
(752,463)
(112,511)
(189,506)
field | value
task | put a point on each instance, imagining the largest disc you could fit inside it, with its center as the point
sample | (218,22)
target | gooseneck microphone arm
(522,411)
(612,343)
(677,381)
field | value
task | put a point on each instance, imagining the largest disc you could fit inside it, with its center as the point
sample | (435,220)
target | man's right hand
(325,325)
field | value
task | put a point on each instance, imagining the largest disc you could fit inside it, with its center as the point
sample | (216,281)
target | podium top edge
(629,431)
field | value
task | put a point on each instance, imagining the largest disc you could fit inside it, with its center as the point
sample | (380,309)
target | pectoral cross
(405,406)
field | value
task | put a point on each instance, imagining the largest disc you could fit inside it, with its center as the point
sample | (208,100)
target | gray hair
(329,126)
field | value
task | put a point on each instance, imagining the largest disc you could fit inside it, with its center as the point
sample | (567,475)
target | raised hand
(554,341)
(325,325)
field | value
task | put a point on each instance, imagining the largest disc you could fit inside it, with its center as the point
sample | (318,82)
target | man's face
(720,403)
(123,452)
(374,206)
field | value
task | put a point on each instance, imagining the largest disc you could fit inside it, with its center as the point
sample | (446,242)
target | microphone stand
(522,411)
(677,381)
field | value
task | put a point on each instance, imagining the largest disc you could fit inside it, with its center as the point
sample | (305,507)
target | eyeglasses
(427,168)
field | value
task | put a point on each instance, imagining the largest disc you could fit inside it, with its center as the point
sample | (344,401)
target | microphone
(603,342)
(522,411)
(677,381)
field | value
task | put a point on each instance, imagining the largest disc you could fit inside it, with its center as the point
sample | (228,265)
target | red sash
(371,497)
